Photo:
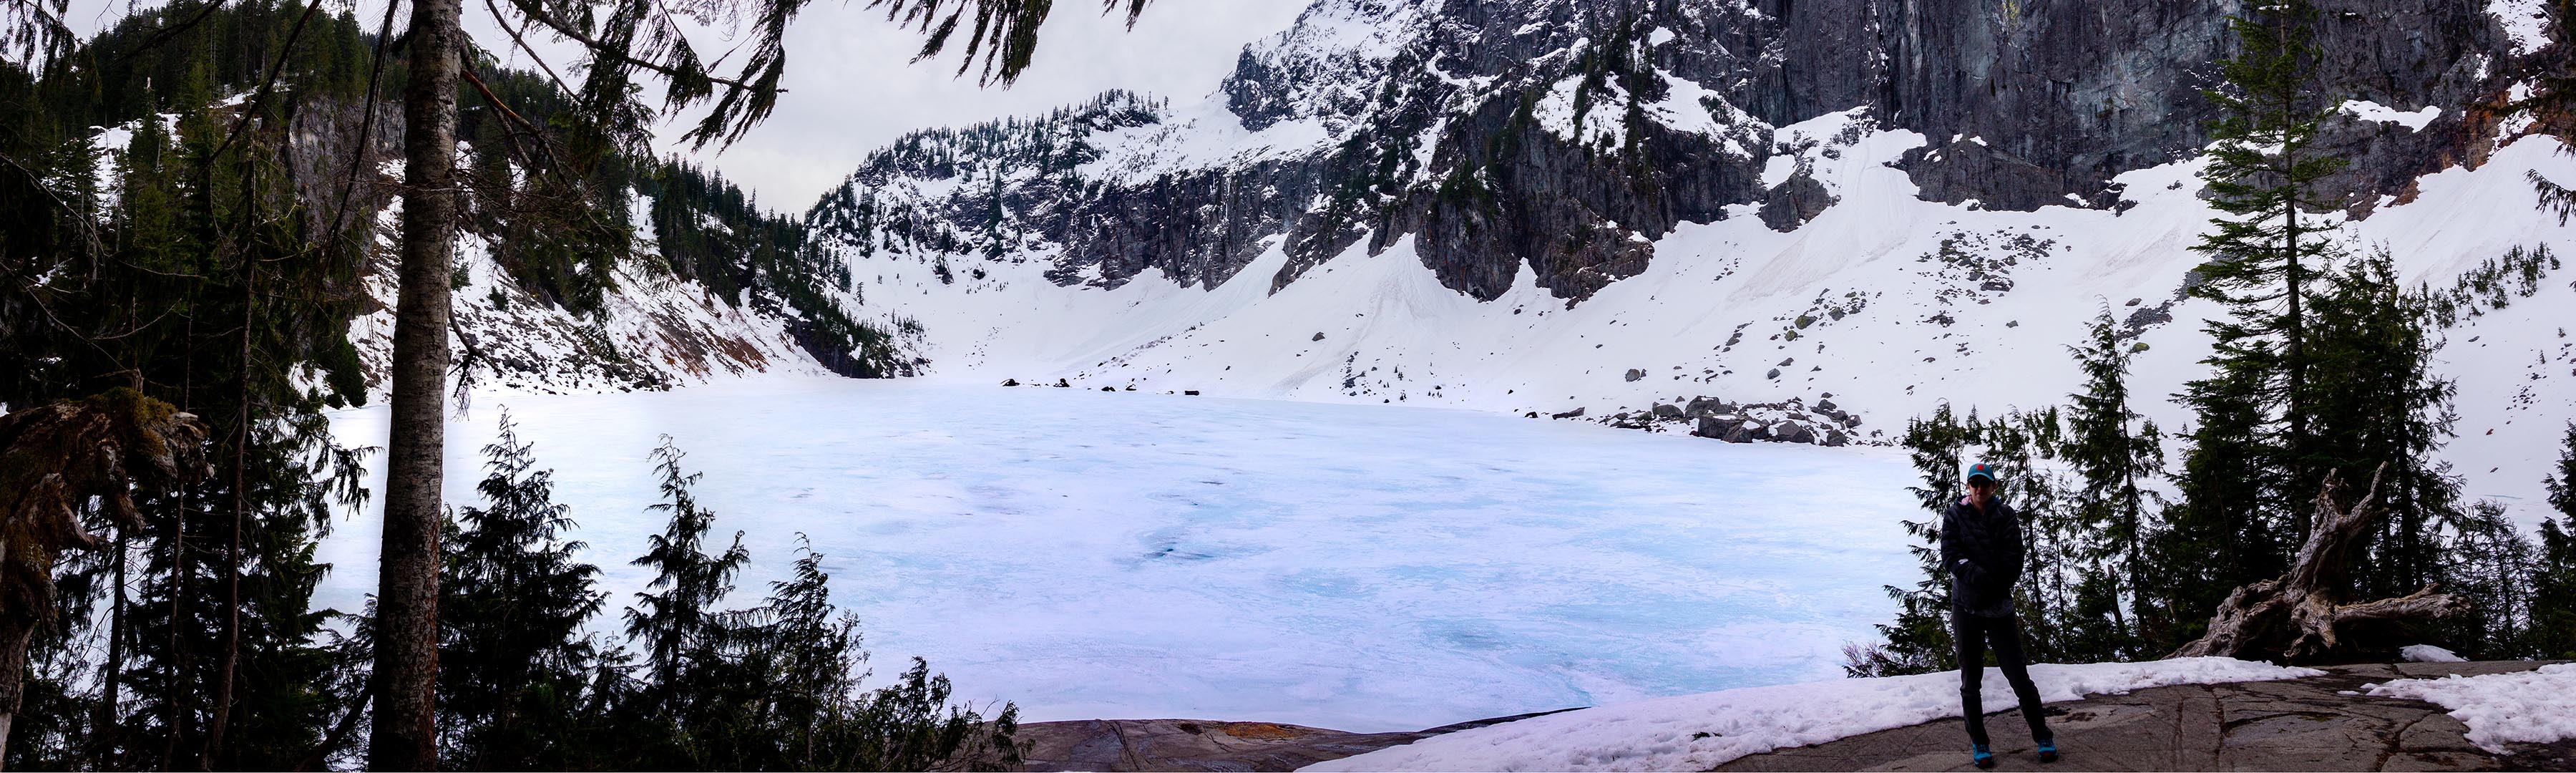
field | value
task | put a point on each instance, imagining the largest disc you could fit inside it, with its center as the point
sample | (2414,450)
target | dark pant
(1974,634)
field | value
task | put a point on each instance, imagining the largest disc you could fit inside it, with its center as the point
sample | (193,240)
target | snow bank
(2426,653)
(1697,732)
(2411,119)
(2526,706)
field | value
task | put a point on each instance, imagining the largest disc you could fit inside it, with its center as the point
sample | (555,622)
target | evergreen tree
(204,284)
(2023,447)
(1919,640)
(2251,463)
(2113,451)
(689,687)
(2376,401)
(513,661)
(2490,565)
(817,665)
(676,621)
(2553,576)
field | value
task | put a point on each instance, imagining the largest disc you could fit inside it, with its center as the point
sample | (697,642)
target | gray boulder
(1707,406)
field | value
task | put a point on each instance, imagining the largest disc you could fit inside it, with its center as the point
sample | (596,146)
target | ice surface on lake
(1137,555)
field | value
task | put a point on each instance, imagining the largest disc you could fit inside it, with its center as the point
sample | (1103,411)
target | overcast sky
(852,86)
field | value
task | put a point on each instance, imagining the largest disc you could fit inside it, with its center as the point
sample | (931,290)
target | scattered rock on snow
(1790,421)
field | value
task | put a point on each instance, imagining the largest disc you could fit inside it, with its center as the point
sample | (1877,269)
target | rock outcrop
(1793,421)
(1564,136)
(2318,723)
(1205,745)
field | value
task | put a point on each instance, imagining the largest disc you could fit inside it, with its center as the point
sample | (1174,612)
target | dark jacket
(1981,549)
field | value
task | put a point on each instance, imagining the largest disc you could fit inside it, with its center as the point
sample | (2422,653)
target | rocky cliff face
(1568,136)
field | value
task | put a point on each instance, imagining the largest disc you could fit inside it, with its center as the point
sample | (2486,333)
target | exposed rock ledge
(2317,723)
(1205,745)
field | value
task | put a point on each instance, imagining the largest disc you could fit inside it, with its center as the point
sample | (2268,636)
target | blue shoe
(2048,750)
(1978,753)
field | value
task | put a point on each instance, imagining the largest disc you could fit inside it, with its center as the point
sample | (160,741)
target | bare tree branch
(1005,32)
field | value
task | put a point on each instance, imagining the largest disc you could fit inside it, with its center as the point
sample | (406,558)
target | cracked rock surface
(2317,723)
(1199,744)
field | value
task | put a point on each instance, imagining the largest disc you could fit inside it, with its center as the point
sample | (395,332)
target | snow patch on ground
(2426,653)
(2372,111)
(2525,21)
(1698,732)
(2522,707)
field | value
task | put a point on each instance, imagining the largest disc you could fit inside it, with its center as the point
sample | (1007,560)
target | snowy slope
(654,331)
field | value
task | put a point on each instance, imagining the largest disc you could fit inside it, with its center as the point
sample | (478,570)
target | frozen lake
(1138,555)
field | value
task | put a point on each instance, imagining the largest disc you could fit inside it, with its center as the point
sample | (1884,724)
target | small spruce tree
(1919,640)
(514,663)
(2113,450)
(2553,576)
(2376,400)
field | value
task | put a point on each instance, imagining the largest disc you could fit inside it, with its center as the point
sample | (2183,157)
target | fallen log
(2304,616)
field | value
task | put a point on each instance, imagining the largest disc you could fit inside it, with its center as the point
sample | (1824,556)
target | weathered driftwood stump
(53,460)
(2303,615)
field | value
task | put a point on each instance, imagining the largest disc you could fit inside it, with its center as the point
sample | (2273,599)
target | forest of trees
(2323,363)
(210,250)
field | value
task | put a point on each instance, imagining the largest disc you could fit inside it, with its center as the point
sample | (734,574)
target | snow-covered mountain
(1537,206)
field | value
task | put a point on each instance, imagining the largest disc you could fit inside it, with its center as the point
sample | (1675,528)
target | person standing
(1981,549)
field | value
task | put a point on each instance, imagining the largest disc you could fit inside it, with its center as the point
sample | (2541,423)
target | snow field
(1136,555)
(2528,706)
(1698,732)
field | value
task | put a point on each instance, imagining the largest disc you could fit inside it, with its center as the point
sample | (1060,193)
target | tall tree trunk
(178,665)
(186,504)
(2295,396)
(231,661)
(405,736)
(107,715)
(14,634)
